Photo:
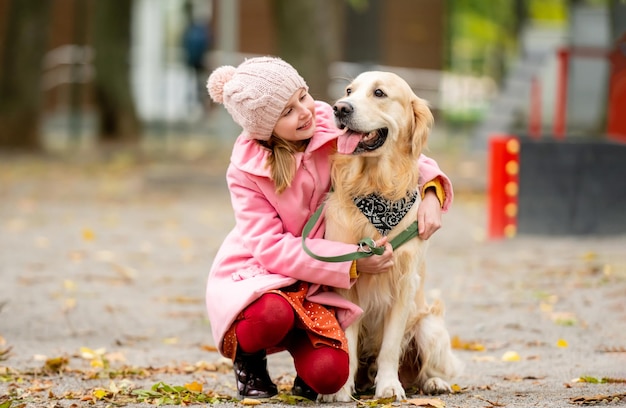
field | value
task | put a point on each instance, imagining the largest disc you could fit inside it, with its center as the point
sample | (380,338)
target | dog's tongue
(347,142)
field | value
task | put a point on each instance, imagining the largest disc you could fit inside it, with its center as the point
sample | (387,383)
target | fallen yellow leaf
(194,386)
(56,363)
(562,343)
(589,256)
(185,243)
(459,344)
(208,347)
(96,363)
(427,402)
(250,401)
(100,393)
(88,354)
(511,356)
(88,234)
(546,307)
(69,285)
(69,304)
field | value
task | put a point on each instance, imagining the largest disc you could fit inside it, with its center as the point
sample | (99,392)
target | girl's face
(297,121)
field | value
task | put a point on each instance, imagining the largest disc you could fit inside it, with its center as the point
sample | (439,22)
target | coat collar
(250,157)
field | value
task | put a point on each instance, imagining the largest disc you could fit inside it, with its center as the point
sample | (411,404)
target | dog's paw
(436,385)
(343,395)
(388,388)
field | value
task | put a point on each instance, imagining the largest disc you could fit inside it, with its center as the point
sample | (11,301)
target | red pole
(534,119)
(503,186)
(560,111)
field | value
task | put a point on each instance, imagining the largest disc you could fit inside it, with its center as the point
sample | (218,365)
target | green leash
(367,246)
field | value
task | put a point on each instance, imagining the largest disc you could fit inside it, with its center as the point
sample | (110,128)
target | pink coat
(264,250)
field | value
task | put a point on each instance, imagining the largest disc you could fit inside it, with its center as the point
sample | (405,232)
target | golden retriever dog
(400,342)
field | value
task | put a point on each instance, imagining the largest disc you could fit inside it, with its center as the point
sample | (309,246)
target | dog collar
(404,236)
(384,214)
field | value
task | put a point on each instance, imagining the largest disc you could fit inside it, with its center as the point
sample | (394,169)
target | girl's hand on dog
(377,263)
(429,215)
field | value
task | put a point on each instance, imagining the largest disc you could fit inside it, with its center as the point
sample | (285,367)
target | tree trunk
(617,11)
(118,121)
(309,39)
(26,24)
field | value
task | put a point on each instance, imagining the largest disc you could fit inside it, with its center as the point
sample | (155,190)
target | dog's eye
(379,94)
(348,91)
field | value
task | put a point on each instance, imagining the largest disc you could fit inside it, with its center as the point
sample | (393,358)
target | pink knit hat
(255,93)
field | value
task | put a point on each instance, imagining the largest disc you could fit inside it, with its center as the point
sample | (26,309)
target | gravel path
(103,270)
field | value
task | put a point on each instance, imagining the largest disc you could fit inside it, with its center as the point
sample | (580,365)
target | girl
(264,293)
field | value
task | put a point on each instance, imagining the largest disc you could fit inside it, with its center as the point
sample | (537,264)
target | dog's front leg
(345,393)
(387,381)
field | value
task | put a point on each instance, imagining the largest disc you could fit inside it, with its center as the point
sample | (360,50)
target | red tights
(270,321)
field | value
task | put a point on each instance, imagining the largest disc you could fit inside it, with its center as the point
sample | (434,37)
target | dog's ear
(422,123)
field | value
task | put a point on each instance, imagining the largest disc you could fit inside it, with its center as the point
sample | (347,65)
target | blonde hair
(281,161)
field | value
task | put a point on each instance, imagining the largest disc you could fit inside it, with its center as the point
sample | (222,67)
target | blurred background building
(87,73)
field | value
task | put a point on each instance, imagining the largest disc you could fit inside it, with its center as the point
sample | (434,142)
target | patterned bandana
(382,213)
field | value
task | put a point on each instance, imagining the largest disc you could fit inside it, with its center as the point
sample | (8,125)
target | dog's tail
(438,308)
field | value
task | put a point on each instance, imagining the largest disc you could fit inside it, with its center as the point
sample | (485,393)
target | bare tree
(617,11)
(26,25)
(308,33)
(114,100)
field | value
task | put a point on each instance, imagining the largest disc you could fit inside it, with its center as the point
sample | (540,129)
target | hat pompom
(217,80)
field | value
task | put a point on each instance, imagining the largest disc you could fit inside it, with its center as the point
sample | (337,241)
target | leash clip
(368,246)
(363,247)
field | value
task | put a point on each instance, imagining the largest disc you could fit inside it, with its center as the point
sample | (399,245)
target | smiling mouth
(305,126)
(353,142)
(372,141)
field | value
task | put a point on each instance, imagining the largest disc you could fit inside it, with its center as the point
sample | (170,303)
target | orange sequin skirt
(318,321)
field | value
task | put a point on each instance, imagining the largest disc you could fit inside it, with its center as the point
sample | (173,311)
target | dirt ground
(103,266)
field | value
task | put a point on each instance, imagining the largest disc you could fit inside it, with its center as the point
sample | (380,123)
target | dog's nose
(342,109)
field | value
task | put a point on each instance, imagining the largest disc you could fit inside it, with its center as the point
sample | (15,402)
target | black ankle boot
(301,389)
(253,380)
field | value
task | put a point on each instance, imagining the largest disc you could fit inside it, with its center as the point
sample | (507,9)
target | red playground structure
(558,186)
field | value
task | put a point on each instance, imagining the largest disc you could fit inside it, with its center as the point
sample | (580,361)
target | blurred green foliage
(548,11)
(482,34)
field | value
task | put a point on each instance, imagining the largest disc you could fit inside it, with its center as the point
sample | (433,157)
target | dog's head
(379,109)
